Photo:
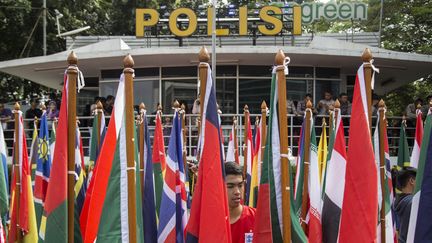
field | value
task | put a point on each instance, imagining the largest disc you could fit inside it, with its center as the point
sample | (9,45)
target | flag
(22,218)
(106,203)
(95,145)
(256,167)
(299,175)
(2,231)
(81,180)
(322,152)
(415,156)
(420,224)
(209,215)
(314,186)
(34,152)
(158,158)
(268,221)
(4,182)
(173,216)
(334,185)
(232,153)
(52,139)
(360,211)
(390,231)
(403,158)
(248,160)
(43,168)
(149,204)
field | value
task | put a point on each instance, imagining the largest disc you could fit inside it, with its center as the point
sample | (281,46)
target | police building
(166,45)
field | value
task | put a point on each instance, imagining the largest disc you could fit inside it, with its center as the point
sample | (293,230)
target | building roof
(396,68)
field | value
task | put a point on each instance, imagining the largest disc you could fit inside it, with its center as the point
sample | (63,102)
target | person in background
(375,101)
(345,105)
(196,106)
(109,105)
(242,217)
(410,110)
(53,112)
(406,180)
(301,105)
(33,112)
(291,109)
(325,104)
(5,116)
(425,107)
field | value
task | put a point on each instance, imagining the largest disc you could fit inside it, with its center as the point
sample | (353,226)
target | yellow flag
(322,152)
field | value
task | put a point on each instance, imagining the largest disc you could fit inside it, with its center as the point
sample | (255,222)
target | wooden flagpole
(305,194)
(367,68)
(382,170)
(203,57)
(283,137)
(128,71)
(141,145)
(72,73)
(263,129)
(17,173)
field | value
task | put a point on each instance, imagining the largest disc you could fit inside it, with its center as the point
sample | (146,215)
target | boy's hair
(404,176)
(232,168)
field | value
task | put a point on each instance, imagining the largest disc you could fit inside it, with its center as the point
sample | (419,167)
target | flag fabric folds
(159,160)
(173,215)
(4,186)
(106,202)
(81,178)
(420,225)
(268,221)
(209,215)
(322,152)
(415,156)
(95,145)
(248,161)
(23,218)
(256,168)
(149,204)
(359,215)
(43,167)
(334,185)
(403,158)
(232,151)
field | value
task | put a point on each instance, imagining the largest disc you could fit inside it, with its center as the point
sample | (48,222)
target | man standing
(406,180)
(33,112)
(242,217)
(345,105)
(325,104)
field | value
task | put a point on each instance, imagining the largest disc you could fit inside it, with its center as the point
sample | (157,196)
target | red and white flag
(418,140)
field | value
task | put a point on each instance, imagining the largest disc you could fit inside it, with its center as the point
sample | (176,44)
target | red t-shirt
(242,229)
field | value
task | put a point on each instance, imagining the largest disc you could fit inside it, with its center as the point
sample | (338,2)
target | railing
(294,126)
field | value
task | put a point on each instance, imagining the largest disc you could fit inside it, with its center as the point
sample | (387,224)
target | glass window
(322,86)
(190,71)
(303,72)
(322,72)
(296,89)
(226,95)
(147,72)
(253,92)
(106,88)
(255,71)
(185,91)
(226,71)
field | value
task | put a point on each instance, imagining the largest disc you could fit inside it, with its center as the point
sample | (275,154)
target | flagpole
(72,72)
(263,129)
(183,123)
(367,68)
(203,57)
(382,126)
(283,137)
(245,139)
(128,71)
(17,172)
(306,164)
(141,145)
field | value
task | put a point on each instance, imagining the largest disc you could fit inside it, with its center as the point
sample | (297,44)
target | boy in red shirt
(242,218)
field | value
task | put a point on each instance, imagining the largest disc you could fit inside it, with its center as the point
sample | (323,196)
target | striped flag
(209,216)
(81,180)
(4,183)
(420,224)
(149,204)
(43,168)
(248,161)
(22,218)
(34,153)
(299,175)
(52,139)
(360,211)
(2,231)
(173,216)
(158,158)
(95,145)
(232,153)
(415,156)
(107,199)
(390,231)
(334,185)
(403,158)
(322,152)
(256,168)
(268,221)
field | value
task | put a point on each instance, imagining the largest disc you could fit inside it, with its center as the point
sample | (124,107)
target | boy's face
(235,190)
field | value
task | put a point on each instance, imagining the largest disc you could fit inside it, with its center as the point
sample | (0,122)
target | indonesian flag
(232,153)
(360,212)
(24,217)
(248,160)
(418,140)
(334,185)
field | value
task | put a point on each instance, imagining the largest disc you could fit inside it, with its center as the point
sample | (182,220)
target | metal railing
(294,127)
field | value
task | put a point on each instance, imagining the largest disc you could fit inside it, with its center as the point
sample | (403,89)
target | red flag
(360,203)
